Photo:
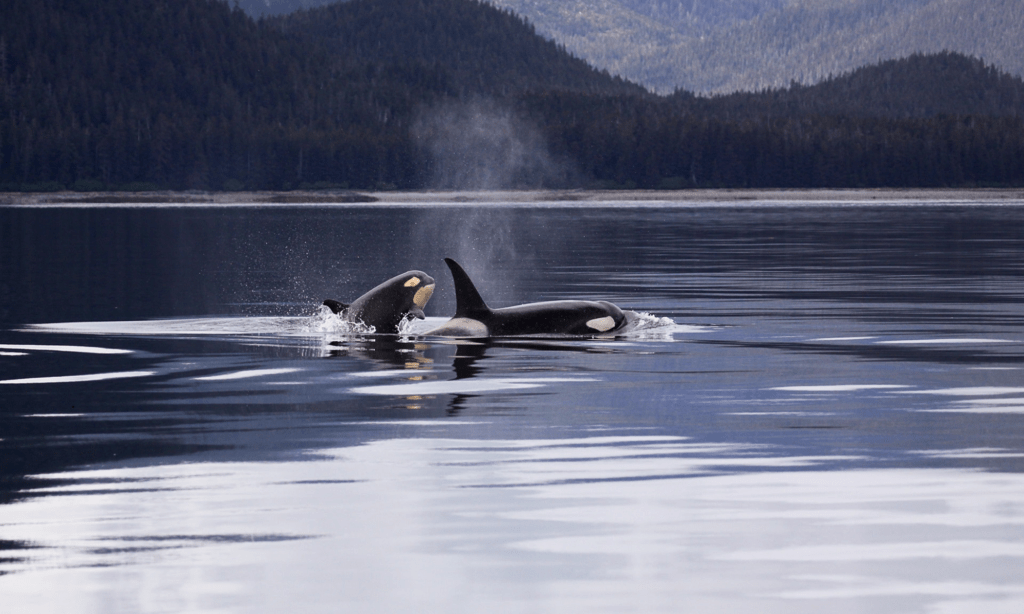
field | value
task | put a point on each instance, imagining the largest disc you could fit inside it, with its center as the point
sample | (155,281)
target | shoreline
(455,197)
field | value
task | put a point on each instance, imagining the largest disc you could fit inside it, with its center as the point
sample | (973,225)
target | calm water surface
(825,412)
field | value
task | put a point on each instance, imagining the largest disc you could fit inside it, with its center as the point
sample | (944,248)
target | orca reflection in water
(388,305)
(473,318)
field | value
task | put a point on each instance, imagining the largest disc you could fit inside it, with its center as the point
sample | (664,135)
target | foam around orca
(473,318)
(385,307)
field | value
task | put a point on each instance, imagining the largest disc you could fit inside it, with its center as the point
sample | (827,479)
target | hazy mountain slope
(606,33)
(480,49)
(809,40)
(706,46)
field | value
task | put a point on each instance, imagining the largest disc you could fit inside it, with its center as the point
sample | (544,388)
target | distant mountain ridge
(474,47)
(749,45)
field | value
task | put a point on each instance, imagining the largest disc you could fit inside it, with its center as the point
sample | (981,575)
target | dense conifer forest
(377,94)
(478,49)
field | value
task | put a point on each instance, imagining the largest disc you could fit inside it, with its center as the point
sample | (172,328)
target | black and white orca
(473,318)
(385,307)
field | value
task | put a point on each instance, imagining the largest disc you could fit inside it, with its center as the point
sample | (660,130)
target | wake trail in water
(324,324)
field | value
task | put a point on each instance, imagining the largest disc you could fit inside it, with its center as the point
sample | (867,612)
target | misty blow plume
(480,145)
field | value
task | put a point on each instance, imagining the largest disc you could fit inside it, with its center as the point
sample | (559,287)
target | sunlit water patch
(89,377)
(23,349)
(213,326)
(605,524)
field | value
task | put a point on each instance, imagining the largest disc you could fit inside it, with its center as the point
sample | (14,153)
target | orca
(473,318)
(388,305)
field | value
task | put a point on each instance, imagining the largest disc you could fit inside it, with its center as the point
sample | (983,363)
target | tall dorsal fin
(467,299)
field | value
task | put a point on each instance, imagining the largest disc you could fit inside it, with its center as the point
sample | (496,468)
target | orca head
(399,298)
(421,286)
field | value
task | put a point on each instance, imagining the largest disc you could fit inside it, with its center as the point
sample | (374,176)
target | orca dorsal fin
(467,299)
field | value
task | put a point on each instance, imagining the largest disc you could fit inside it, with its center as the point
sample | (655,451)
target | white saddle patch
(460,327)
(602,325)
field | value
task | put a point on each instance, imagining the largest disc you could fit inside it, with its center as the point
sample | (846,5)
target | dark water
(829,414)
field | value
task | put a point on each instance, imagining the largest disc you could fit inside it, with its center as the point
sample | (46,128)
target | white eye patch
(413,281)
(423,295)
(602,324)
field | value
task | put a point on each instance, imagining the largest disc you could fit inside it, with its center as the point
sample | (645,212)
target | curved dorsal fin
(467,299)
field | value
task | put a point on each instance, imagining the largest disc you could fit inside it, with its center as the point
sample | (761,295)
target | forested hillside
(936,120)
(269,8)
(190,93)
(920,86)
(747,45)
(372,94)
(181,93)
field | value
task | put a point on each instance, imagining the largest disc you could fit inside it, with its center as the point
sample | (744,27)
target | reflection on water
(824,413)
(600,523)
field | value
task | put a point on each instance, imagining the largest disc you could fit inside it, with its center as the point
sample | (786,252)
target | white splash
(642,326)
(327,322)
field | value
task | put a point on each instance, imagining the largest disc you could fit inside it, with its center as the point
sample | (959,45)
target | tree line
(195,94)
